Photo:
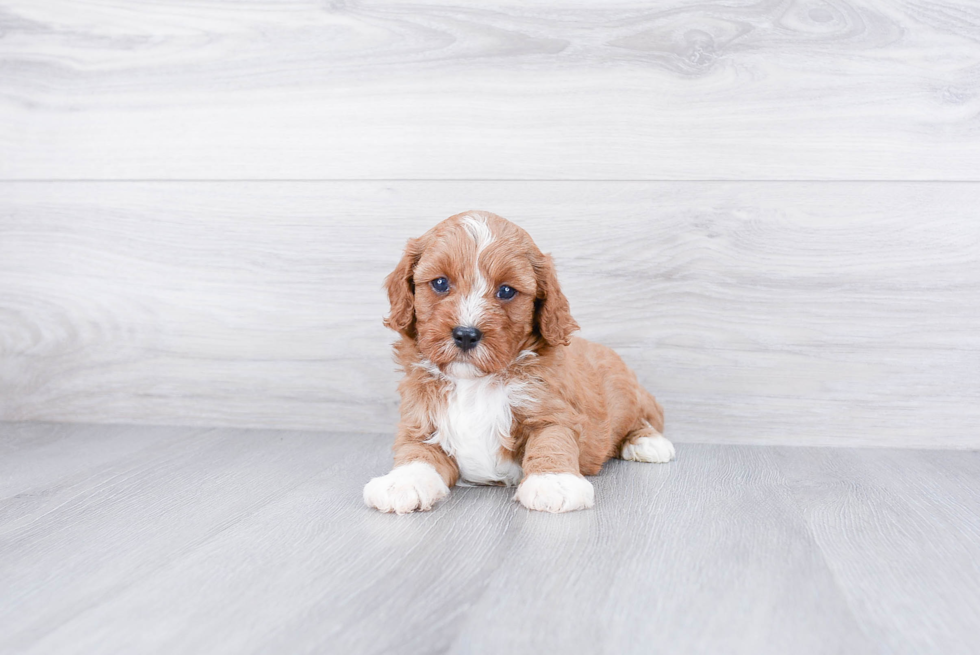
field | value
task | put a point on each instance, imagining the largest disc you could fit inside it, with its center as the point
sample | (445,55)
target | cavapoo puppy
(496,390)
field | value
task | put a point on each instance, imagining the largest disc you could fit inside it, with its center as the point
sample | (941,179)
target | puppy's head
(473,292)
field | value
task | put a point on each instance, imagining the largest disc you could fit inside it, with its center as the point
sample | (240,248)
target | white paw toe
(555,492)
(656,449)
(410,487)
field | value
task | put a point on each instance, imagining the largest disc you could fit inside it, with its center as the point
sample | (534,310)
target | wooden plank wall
(771,209)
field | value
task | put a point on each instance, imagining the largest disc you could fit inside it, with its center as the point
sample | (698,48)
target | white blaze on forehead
(479,230)
(474,303)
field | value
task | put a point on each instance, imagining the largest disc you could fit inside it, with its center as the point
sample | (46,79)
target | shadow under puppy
(496,390)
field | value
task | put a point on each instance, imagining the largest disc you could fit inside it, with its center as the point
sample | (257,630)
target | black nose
(466,338)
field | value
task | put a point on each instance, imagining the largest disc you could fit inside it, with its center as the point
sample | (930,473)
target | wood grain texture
(709,544)
(683,89)
(859,505)
(68,544)
(758,312)
(38,454)
(234,541)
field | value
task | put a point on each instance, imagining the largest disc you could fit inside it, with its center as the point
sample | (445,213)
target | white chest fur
(472,427)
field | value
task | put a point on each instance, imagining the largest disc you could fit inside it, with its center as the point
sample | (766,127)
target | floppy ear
(552,316)
(401,291)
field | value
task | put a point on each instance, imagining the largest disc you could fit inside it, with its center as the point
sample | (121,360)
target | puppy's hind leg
(652,411)
(645,443)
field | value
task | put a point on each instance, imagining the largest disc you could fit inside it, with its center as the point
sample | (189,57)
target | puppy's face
(473,292)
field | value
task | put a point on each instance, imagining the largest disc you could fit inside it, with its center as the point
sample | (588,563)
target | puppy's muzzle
(466,338)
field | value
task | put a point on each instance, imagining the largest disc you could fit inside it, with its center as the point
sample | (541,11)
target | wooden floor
(181,540)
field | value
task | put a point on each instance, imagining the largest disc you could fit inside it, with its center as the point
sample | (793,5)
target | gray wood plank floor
(118,539)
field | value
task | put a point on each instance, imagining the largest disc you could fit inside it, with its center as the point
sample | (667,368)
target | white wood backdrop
(771,209)
(581,89)
(763,311)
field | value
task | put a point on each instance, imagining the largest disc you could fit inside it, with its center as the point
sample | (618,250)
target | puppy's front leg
(421,477)
(553,481)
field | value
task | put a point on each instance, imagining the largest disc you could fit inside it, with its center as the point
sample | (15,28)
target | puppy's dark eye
(440,285)
(505,292)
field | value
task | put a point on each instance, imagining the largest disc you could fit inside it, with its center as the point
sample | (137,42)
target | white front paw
(656,448)
(555,492)
(410,487)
